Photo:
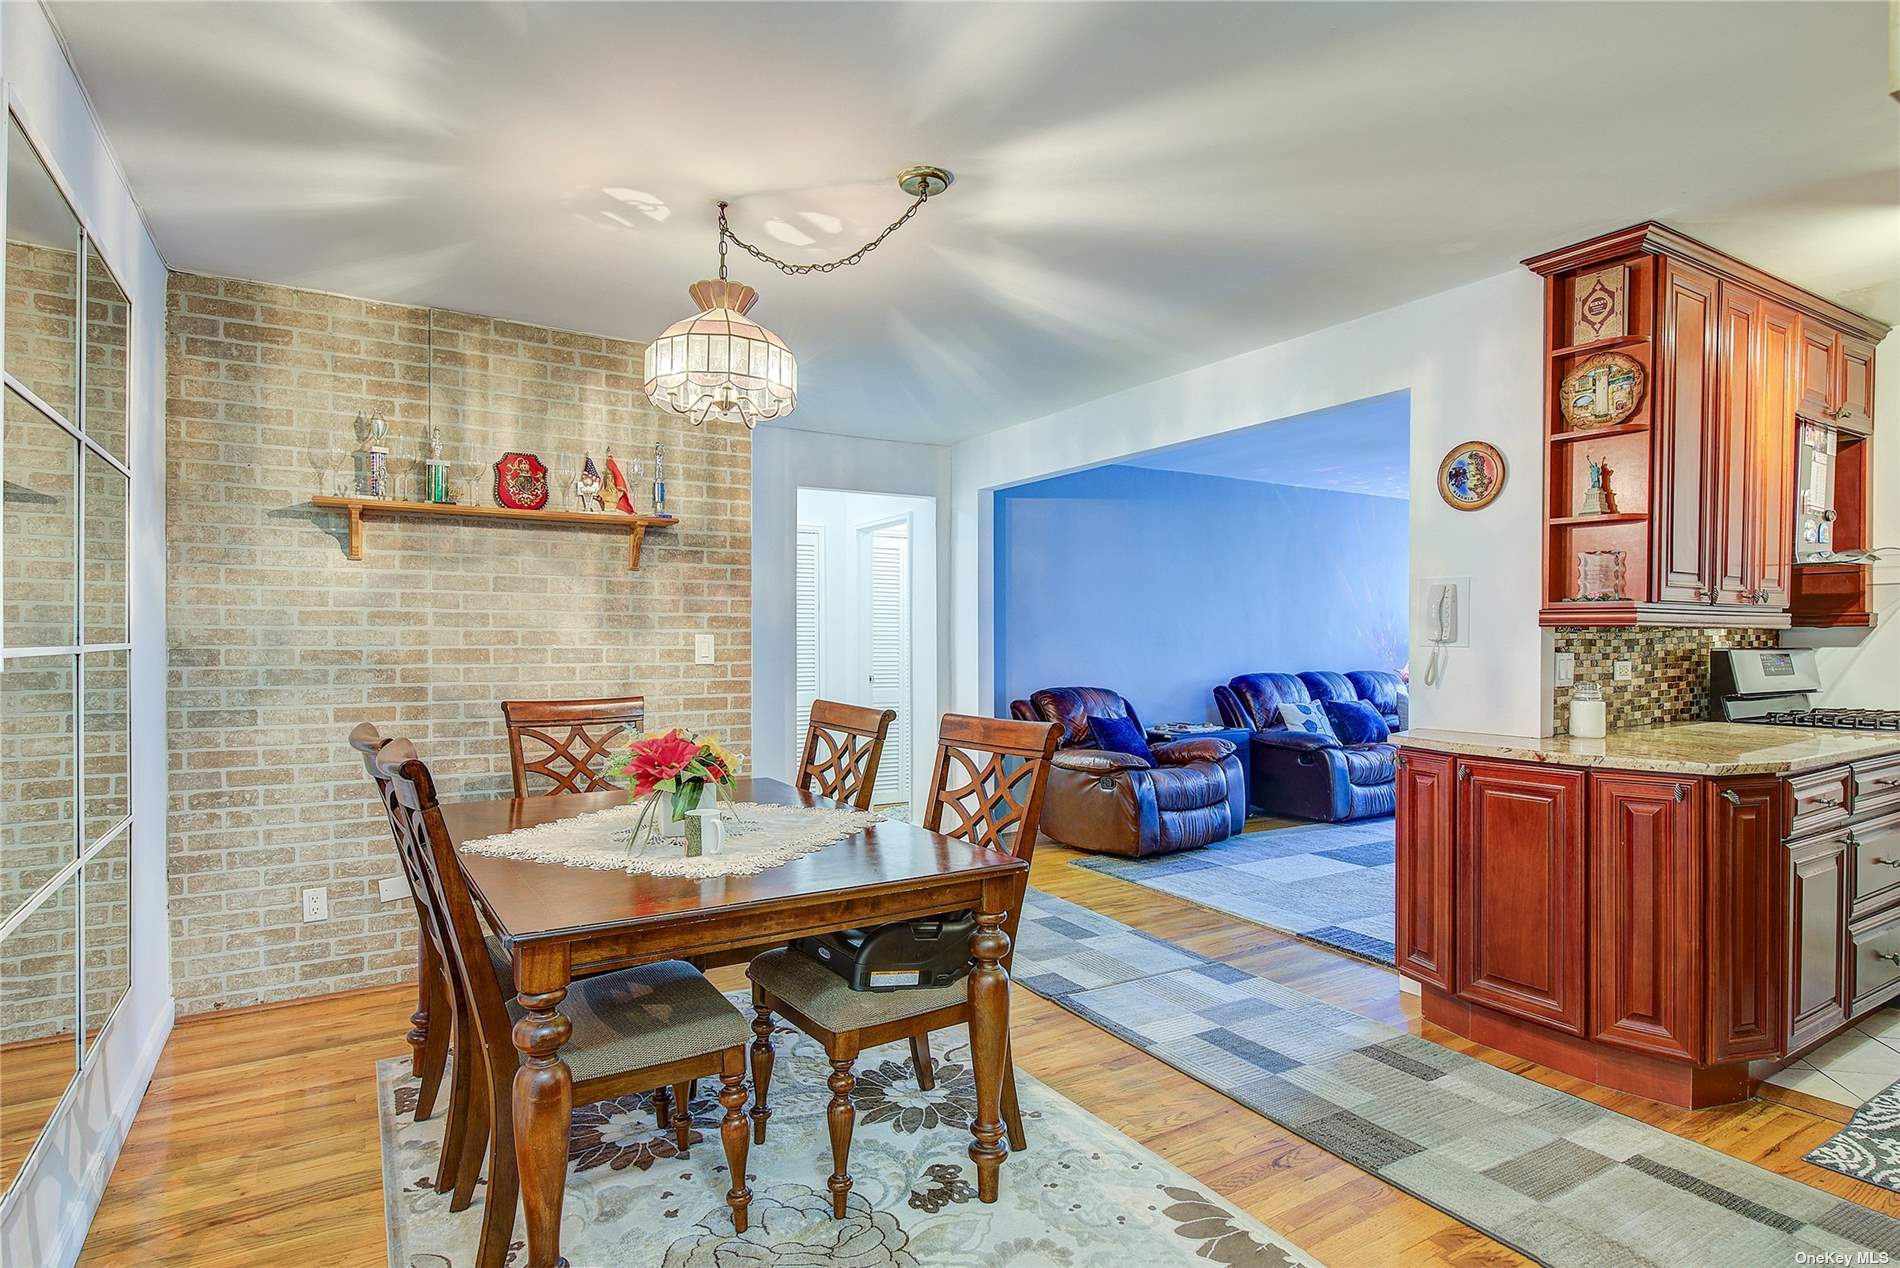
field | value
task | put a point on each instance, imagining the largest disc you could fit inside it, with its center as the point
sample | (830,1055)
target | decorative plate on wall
(1471,475)
(521,482)
(1602,392)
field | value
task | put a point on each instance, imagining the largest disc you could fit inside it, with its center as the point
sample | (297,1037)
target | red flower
(659,759)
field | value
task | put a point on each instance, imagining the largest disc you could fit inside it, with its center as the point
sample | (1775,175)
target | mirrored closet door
(65,653)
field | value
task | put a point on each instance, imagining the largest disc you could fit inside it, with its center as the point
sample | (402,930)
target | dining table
(561,922)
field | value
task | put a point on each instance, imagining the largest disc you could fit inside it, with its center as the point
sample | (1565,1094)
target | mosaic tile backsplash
(1671,682)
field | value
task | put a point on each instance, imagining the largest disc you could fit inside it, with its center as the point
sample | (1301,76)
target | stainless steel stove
(1775,686)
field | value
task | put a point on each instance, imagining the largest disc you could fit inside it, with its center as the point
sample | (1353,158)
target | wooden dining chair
(631,1029)
(567,742)
(843,745)
(438,1014)
(989,781)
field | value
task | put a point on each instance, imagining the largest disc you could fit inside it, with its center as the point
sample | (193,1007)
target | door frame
(865,532)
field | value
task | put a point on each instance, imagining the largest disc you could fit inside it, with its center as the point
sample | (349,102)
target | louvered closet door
(811,542)
(889,605)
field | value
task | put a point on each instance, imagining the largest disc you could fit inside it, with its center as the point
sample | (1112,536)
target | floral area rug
(1082,1194)
(1868,1148)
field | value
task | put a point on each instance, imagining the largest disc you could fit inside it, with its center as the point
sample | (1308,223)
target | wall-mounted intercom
(1444,619)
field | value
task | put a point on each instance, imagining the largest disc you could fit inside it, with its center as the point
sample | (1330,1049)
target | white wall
(47,1211)
(783,461)
(1470,360)
(1861,668)
(846,619)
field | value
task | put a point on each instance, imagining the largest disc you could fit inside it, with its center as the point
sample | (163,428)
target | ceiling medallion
(720,364)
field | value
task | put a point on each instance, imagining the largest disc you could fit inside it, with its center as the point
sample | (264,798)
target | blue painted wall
(1160,584)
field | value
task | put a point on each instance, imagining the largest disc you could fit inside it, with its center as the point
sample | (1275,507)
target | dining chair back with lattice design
(989,781)
(567,742)
(843,745)
(628,1031)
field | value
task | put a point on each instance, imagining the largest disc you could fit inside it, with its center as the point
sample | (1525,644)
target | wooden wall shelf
(1600,433)
(635,526)
(1608,517)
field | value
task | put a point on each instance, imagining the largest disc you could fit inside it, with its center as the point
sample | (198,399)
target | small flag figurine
(617,484)
(587,487)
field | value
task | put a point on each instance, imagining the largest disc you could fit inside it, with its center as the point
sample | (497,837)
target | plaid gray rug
(1330,883)
(1868,1148)
(1553,1176)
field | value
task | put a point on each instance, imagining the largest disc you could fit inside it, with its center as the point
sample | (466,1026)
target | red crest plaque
(521,482)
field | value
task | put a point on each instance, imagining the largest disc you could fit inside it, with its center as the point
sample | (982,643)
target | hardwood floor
(257,1141)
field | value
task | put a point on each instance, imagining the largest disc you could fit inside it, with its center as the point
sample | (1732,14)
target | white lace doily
(764,837)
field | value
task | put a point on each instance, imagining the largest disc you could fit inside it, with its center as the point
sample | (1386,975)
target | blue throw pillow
(1120,735)
(1356,722)
(1306,718)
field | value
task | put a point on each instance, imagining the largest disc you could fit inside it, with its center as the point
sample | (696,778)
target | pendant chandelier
(719,363)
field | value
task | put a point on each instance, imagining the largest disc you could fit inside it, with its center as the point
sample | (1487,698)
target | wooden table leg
(989,1044)
(543,1098)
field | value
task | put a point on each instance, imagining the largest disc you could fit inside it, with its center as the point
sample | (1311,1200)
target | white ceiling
(1142,188)
(1362,447)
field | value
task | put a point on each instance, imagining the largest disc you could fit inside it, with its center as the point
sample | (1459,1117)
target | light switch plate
(316,904)
(702,649)
(1625,670)
(391,888)
(1566,669)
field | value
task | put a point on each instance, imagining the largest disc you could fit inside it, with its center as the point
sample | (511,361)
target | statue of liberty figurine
(1596,500)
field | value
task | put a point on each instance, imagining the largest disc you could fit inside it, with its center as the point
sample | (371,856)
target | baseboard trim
(98,1174)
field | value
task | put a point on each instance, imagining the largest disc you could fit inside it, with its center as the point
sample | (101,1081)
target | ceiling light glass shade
(719,363)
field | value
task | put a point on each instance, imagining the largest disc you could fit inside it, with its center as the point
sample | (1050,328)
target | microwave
(1814,493)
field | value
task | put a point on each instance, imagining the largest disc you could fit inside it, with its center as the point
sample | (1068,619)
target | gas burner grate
(1841,719)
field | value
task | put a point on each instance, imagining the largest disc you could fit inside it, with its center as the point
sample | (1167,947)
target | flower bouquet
(677,774)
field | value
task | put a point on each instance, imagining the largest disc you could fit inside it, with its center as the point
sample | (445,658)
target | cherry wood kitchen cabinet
(1837,378)
(1701,475)
(1747,918)
(1817,972)
(1520,900)
(1422,930)
(1673,935)
(1646,885)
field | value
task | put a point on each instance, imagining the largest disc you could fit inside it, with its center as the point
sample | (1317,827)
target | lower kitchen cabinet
(1520,904)
(1646,885)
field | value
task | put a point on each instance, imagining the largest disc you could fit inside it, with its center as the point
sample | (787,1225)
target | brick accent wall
(1670,669)
(280,644)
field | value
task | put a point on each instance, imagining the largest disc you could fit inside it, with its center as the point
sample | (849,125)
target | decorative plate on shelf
(1602,392)
(1471,476)
(521,482)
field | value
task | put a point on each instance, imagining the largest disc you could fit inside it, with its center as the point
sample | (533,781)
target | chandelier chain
(793,270)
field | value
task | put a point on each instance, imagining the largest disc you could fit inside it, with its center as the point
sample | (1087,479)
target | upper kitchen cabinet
(1687,395)
(1837,379)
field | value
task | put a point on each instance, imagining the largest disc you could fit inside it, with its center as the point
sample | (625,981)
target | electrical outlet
(1566,668)
(702,649)
(316,904)
(391,888)
(1625,670)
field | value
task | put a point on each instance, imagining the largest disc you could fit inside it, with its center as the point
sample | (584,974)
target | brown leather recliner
(1111,803)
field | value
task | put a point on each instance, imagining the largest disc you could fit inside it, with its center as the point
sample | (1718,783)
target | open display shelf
(635,526)
(1700,523)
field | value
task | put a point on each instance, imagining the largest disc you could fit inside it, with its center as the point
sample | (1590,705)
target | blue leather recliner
(1316,777)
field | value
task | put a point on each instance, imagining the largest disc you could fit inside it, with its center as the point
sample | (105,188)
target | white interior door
(808,590)
(887,603)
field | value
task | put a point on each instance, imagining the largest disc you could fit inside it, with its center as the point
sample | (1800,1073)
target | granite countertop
(1677,748)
